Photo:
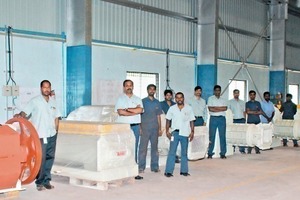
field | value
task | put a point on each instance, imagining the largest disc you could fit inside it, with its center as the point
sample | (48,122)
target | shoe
(168,175)
(184,174)
(296,145)
(285,144)
(257,152)
(156,170)
(242,152)
(177,160)
(138,177)
(48,186)
(223,157)
(209,157)
(40,187)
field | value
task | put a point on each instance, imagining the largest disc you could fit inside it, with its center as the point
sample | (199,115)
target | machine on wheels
(20,155)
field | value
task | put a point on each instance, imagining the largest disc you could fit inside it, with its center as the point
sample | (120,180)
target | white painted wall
(111,63)
(33,61)
(260,76)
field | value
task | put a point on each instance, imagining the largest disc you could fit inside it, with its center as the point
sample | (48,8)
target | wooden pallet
(9,195)
(100,185)
(100,180)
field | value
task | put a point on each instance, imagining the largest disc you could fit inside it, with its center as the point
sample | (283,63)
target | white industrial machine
(287,129)
(251,135)
(94,153)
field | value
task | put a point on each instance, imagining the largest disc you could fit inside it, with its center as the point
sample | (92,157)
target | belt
(239,118)
(217,116)
(198,116)
(176,130)
(134,124)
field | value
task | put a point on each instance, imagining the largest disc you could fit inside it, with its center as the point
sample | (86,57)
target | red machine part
(20,153)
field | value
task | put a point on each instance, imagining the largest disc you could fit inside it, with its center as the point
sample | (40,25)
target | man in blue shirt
(151,130)
(254,110)
(289,109)
(165,105)
(268,108)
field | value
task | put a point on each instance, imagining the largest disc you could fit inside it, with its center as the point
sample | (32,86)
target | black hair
(289,95)
(252,91)
(45,81)
(179,93)
(266,93)
(217,86)
(198,88)
(151,85)
(168,92)
(127,80)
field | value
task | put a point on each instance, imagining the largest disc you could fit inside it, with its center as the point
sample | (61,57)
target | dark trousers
(217,122)
(240,121)
(152,136)
(199,121)
(48,155)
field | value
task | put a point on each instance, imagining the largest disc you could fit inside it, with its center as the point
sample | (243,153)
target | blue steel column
(207,45)
(278,14)
(79,54)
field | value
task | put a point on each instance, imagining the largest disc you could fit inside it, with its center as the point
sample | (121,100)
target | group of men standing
(259,112)
(145,121)
(181,118)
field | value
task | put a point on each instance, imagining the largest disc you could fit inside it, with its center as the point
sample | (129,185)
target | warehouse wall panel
(34,15)
(249,16)
(123,25)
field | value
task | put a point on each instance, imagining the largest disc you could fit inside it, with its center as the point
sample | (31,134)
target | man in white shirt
(44,115)
(182,117)
(217,107)
(199,107)
(237,106)
(129,107)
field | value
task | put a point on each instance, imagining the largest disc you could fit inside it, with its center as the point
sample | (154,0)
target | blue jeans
(136,131)
(217,122)
(184,141)
(48,154)
(152,136)
(199,121)
(240,121)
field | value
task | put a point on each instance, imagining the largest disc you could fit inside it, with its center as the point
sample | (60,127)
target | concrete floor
(274,174)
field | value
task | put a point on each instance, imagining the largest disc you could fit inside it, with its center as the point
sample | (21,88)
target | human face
(217,92)
(267,97)
(128,87)
(168,97)
(236,95)
(179,99)
(198,93)
(252,96)
(151,91)
(46,89)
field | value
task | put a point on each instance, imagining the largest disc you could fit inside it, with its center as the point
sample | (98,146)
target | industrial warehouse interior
(81,80)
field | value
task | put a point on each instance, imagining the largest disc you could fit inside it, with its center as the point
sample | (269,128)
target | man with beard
(129,108)
(151,130)
(44,115)
(182,117)
(268,108)
(165,105)
(199,107)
